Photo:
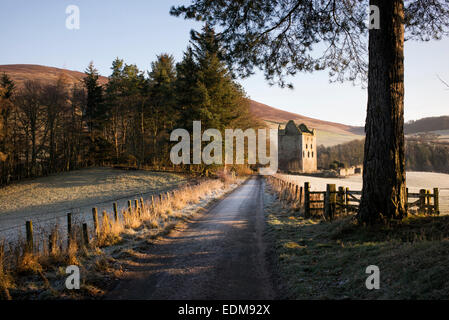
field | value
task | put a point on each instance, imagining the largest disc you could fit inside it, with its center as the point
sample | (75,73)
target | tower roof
(291,126)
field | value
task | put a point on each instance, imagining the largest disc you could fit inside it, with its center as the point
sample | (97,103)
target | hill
(430,124)
(23,72)
(328,133)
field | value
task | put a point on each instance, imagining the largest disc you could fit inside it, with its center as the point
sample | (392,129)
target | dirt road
(220,255)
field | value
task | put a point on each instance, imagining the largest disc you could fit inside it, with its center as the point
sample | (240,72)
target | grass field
(329,139)
(46,199)
(328,260)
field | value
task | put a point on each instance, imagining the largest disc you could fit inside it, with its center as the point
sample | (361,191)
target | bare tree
(31,116)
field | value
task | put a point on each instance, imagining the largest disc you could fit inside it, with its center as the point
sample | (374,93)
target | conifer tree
(161,113)
(94,111)
(205,87)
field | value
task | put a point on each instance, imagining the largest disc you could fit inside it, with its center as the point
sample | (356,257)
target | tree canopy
(283,37)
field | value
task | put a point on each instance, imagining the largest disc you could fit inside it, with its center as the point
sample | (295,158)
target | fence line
(59,213)
(132,212)
(343,200)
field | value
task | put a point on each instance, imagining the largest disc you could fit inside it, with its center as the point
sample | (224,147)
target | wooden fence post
(333,199)
(69,228)
(301,198)
(50,242)
(422,201)
(347,199)
(406,201)
(95,218)
(115,211)
(436,201)
(341,199)
(85,235)
(306,199)
(129,206)
(428,205)
(29,231)
(330,201)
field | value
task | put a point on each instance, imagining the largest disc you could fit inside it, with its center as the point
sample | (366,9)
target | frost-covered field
(415,181)
(47,198)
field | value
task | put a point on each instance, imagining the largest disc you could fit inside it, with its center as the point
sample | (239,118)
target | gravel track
(219,255)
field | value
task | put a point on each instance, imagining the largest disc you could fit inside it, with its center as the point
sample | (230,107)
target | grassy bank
(327,260)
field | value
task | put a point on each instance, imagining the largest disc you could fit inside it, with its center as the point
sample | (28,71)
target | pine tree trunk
(384,187)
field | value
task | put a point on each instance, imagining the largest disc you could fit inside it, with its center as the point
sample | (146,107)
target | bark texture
(384,195)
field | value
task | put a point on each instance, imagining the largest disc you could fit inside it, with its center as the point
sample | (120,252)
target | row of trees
(424,156)
(346,154)
(41,128)
(419,155)
(53,127)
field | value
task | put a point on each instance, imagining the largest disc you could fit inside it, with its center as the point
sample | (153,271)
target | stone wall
(350,171)
(309,155)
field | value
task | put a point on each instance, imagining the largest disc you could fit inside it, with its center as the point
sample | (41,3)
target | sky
(34,32)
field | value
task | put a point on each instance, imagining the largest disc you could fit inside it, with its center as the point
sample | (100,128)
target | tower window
(308,154)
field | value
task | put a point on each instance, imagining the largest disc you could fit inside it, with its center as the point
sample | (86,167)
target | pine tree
(206,90)
(161,113)
(189,97)
(94,110)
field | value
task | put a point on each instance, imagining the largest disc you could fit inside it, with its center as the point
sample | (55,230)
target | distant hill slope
(23,72)
(328,133)
(427,125)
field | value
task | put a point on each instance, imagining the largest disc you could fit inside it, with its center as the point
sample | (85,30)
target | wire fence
(44,219)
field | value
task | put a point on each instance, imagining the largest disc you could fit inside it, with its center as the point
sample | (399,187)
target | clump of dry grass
(6,281)
(243,170)
(287,195)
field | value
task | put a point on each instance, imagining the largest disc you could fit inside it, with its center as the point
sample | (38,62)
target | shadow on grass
(328,260)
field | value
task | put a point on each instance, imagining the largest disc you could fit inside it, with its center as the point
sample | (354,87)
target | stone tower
(297,148)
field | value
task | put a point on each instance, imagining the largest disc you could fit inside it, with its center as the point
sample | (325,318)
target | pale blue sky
(34,32)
